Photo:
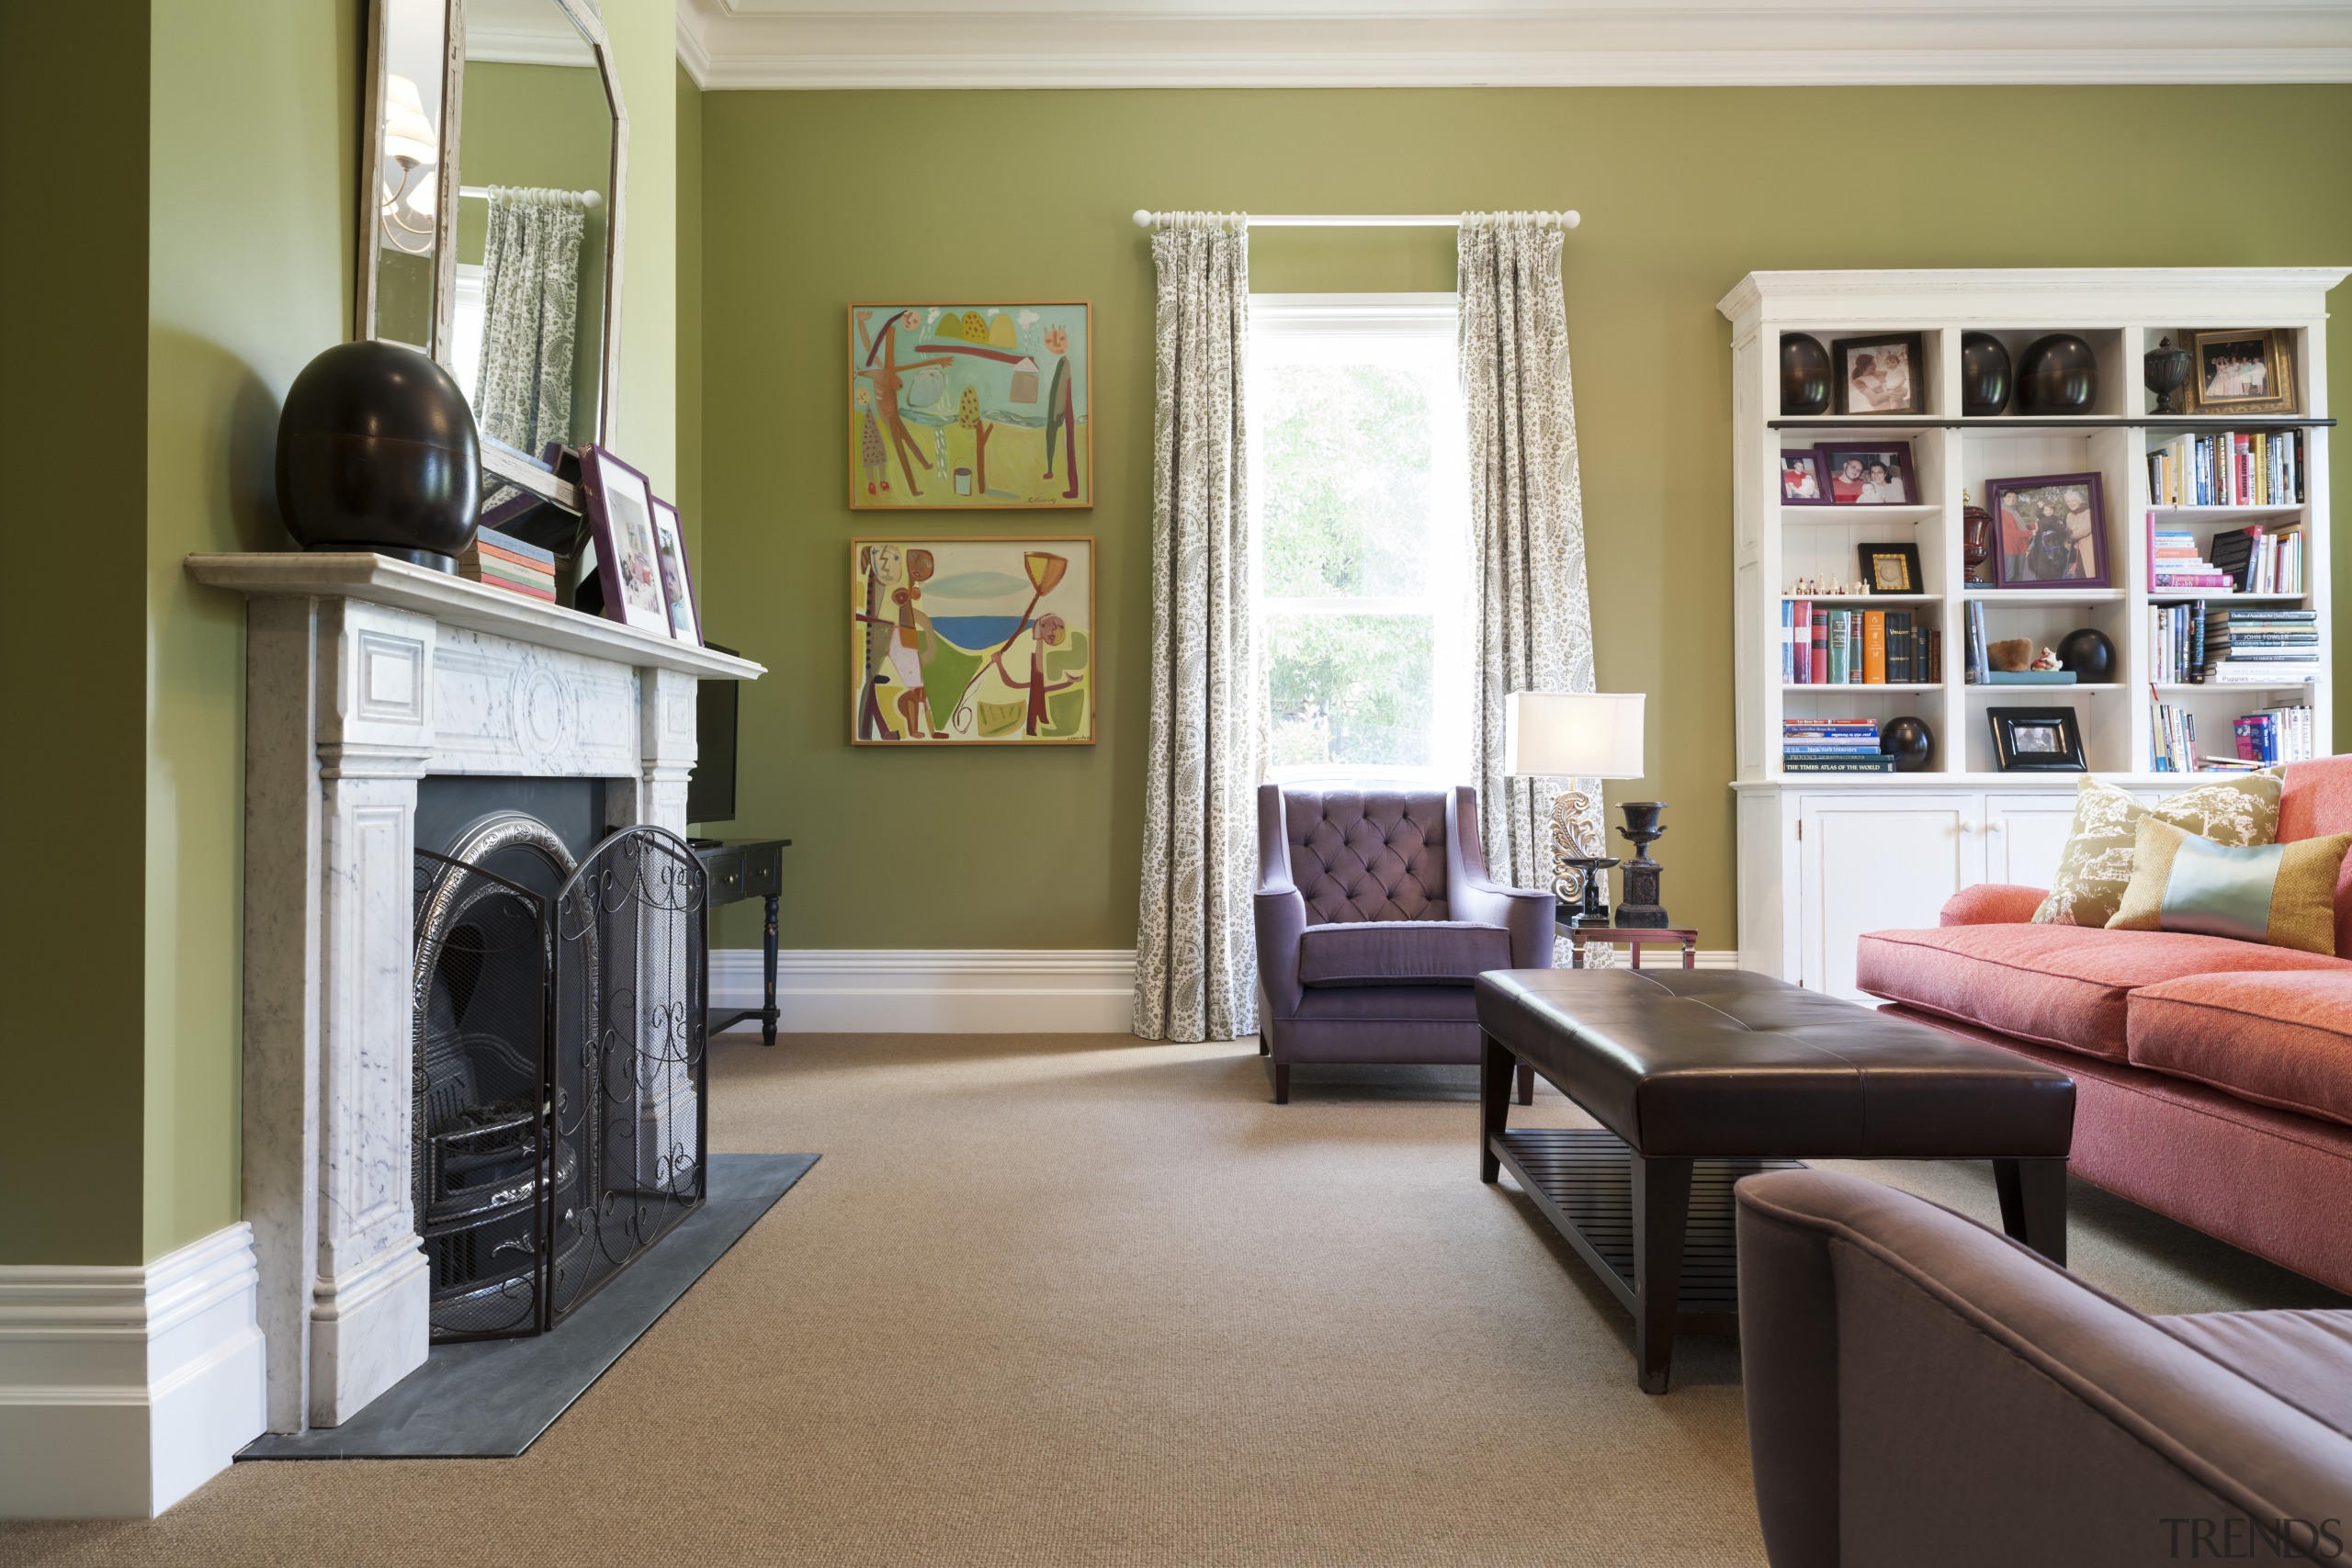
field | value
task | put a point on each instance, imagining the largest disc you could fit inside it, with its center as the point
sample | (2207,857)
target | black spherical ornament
(376,450)
(1983,374)
(2089,654)
(1804,375)
(2059,374)
(1909,741)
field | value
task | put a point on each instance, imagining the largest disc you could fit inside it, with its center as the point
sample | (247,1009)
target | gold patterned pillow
(2240,809)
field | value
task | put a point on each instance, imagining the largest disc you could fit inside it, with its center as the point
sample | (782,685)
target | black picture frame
(1842,489)
(1875,558)
(1845,356)
(2022,741)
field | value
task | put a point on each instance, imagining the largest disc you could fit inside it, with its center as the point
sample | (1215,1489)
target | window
(1359,486)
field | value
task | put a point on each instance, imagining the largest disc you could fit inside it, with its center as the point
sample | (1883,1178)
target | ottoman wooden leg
(1661,1208)
(1495,1063)
(2033,1203)
(1526,1083)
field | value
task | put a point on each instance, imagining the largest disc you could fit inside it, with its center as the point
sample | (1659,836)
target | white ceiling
(1401,43)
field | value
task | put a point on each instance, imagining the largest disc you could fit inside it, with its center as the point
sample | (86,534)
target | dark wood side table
(1634,937)
(748,868)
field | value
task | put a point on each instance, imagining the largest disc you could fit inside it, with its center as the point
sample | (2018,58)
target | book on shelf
(2263,467)
(2260,559)
(1874,648)
(1831,746)
(498,560)
(2172,738)
(2176,643)
(1974,632)
(2175,562)
(2275,735)
(1855,764)
(2260,673)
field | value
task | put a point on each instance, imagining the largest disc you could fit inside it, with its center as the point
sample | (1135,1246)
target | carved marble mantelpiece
(363,675)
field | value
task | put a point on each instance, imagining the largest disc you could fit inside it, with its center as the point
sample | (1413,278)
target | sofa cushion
(2281,1040)
(2097,861)
(2302,1356)
(1400,952)
(2063,986)
(2281,894)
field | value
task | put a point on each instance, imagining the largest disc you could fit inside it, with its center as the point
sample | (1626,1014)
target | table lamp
(1584,735)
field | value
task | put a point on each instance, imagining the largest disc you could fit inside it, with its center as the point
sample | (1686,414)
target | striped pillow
(2278,895)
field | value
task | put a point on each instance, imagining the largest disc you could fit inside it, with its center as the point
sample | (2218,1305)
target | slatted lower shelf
(1582,1178)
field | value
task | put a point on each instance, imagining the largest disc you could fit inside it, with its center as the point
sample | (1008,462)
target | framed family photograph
(677,583)
(2249,371)
(1889,569)
(2052,531)
(1877,475)
(1880,375)
(620,521)
(2031,740)
(1801,478)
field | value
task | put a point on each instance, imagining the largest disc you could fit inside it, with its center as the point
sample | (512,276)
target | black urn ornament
(1909,741)
(376,450)
(1642,906)
(1983,374)
(2165,371)
(2059,374)
(1804,375)
(2088,653)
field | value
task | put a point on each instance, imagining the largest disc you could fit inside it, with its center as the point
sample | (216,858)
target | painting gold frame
(1080,443)
(864,689)
(2279,357)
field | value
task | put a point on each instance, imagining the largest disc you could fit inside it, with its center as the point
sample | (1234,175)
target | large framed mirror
(503,119)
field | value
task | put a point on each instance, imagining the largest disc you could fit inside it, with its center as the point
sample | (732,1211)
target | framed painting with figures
(2052,531)
(961,642)
(2250,371)
(2028,740)
(964,406)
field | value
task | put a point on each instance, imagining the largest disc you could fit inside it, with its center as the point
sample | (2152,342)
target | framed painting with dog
(2052,531)
(963,642)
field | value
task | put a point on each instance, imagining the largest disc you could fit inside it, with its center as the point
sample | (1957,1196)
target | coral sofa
(2213,1078)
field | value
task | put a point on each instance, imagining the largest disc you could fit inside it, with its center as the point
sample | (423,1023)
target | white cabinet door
(2024,835)
(1875,863)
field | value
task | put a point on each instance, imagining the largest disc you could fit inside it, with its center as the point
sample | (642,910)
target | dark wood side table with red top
(747,868)
(1634,937)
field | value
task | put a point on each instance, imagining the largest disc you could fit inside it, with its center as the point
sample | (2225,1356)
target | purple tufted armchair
(1375,915)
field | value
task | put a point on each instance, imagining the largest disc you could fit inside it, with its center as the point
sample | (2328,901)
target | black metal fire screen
(559,1114)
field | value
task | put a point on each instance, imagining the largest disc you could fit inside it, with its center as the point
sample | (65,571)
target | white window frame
(1302,328)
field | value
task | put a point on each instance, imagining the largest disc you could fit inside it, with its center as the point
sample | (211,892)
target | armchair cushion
(1400,952)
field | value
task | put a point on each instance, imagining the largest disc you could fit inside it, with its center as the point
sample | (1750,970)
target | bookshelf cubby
(1961,819)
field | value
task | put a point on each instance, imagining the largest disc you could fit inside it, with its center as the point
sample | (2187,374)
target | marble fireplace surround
(363,674)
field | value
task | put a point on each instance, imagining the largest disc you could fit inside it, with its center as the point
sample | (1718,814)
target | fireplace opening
(558,1117)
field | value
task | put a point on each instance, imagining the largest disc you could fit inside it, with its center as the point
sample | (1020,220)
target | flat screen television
(710,788)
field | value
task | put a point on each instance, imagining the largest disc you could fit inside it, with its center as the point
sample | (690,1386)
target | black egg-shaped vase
(1909,741)
(2087,652)
(376,450)
(2059,374)
(1804,375)
(1983,374)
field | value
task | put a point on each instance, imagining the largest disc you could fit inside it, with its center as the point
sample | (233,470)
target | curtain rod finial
(1143,218)
(1571,219)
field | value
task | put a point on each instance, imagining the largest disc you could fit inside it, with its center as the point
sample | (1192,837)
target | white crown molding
(124,1389)
(804,44)
(949,991)
(2179,297)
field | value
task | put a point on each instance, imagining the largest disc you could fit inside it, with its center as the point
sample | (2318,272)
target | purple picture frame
(1811,457)
(620,519)
(677,574)
(2038,534)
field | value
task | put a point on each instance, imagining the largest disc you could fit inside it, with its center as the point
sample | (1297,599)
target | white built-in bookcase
(2122,313)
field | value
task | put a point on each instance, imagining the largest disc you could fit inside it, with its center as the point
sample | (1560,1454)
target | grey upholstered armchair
(1374,914)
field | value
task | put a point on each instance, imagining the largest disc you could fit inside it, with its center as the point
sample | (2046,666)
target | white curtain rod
(482,193)
(1568,220)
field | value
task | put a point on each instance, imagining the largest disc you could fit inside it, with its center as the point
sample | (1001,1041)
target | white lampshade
(1571,735)
(409,138)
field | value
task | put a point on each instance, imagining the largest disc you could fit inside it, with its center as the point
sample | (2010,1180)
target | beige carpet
(1080,1299)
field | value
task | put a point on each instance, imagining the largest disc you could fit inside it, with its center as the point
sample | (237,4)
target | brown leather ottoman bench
(1701,1077)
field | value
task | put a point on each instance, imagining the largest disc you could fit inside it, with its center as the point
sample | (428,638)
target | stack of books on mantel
(497,562)
(2261,648)
(1831,746)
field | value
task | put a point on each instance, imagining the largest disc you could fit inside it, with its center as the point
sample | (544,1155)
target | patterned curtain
(1196,975)
(531,311)
(1526,517)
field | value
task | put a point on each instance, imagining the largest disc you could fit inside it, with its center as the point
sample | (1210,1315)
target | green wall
(814,199)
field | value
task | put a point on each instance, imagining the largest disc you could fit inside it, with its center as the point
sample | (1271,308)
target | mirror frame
(522,473)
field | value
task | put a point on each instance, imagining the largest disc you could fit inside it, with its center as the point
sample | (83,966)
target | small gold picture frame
(1889,569)
(2246,370)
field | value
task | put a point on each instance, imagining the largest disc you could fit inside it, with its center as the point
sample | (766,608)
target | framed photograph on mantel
(1877,475)
(677,583)
(1884,374)
(2052,531)
(620,519)
(2250,371)
(1801,481)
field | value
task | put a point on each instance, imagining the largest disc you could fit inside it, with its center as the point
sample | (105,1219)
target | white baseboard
(956,990)
(122,1390)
